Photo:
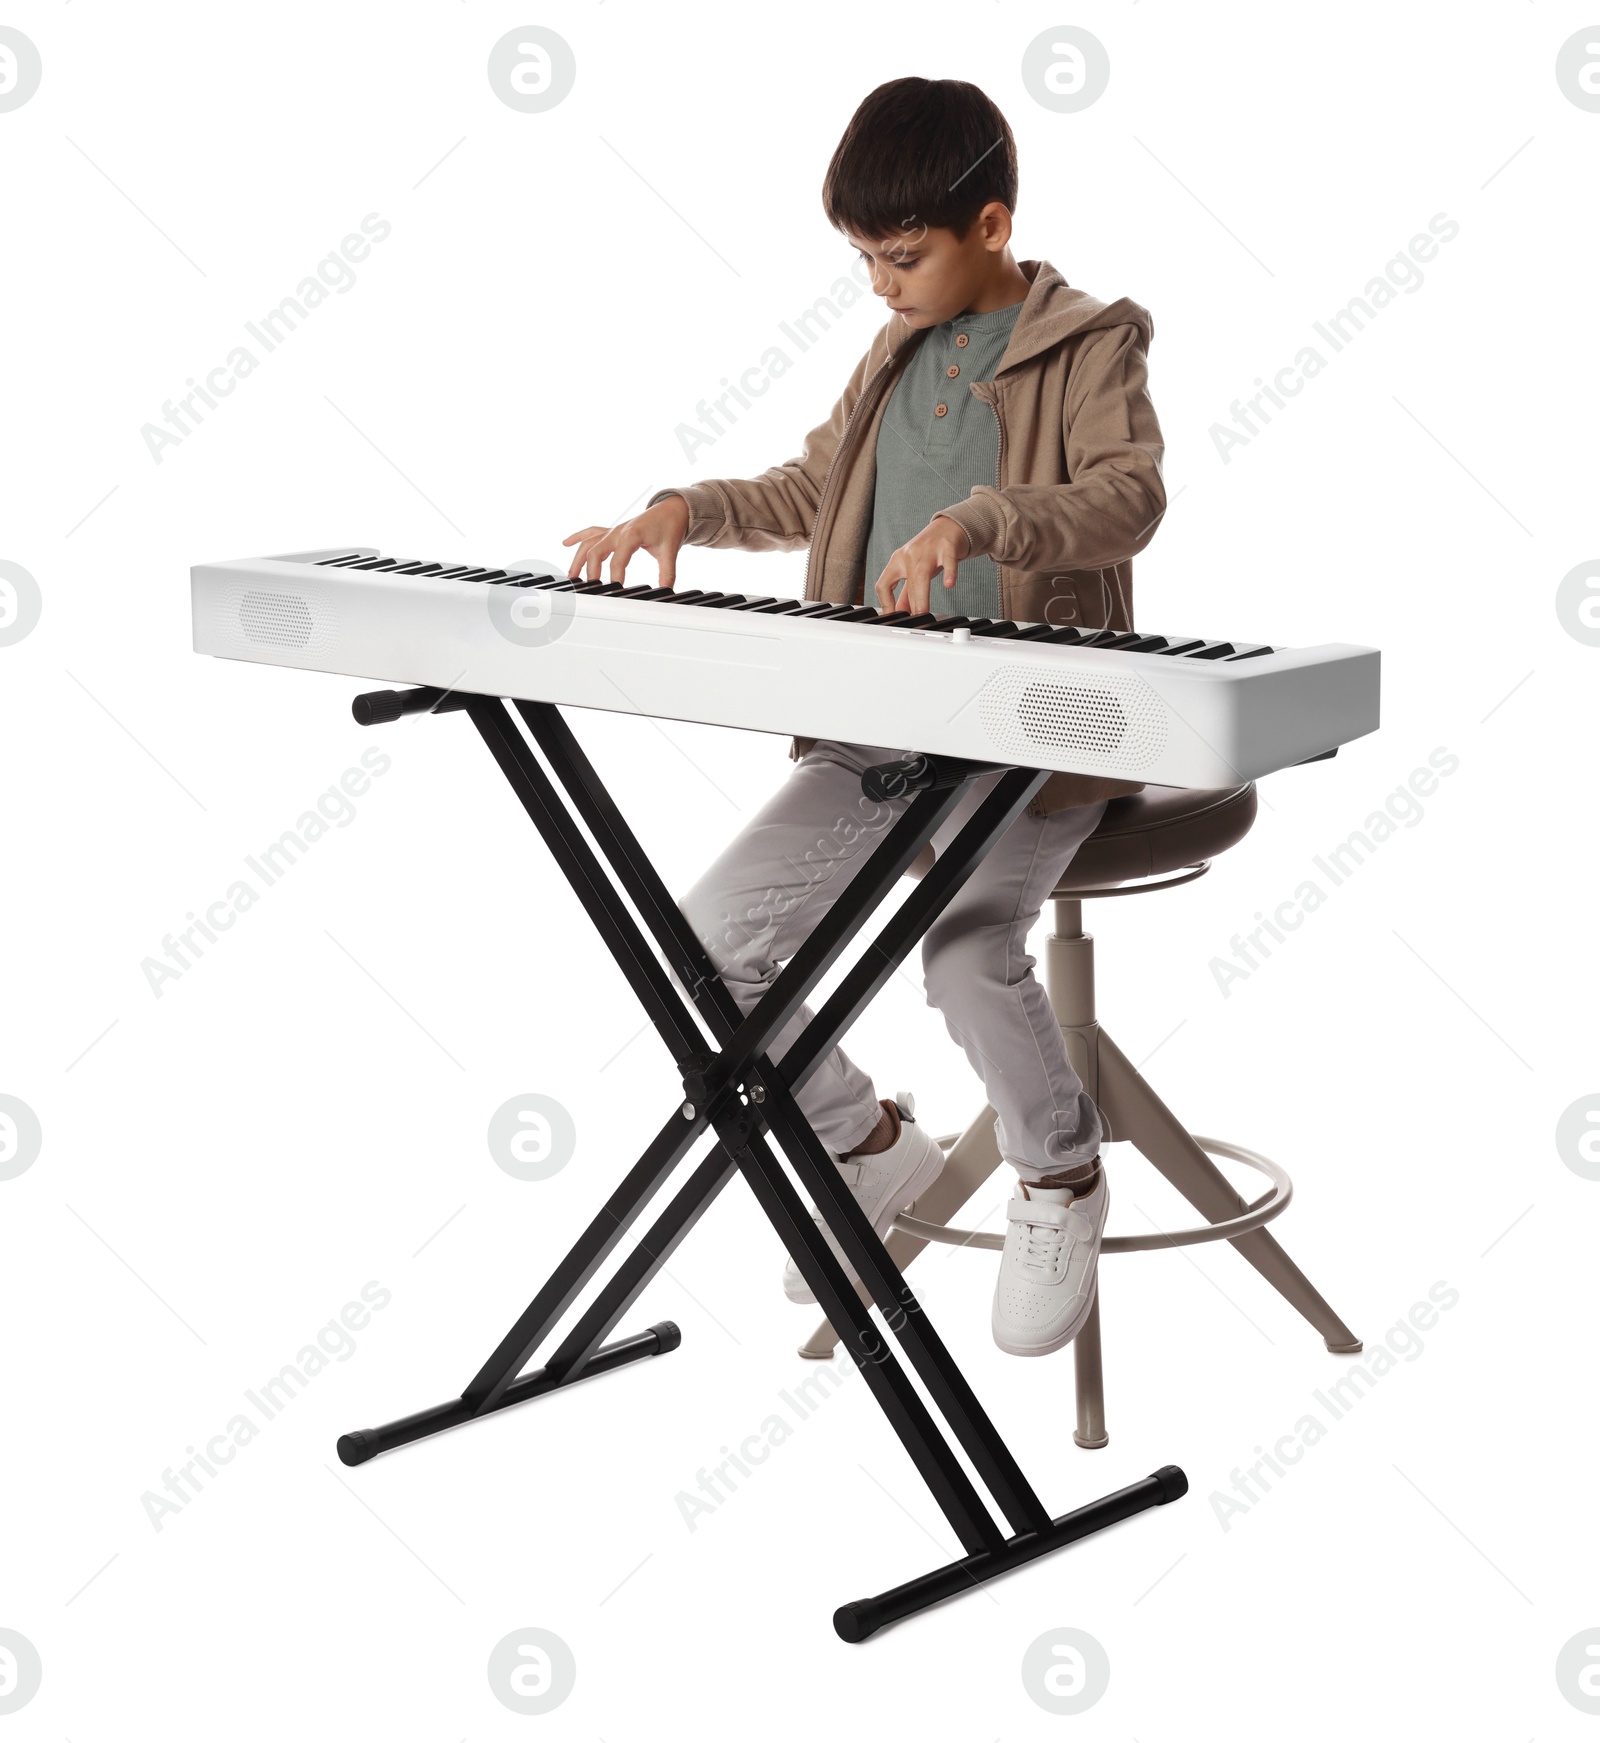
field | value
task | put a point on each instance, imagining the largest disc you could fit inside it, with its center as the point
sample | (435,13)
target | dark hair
(929,152)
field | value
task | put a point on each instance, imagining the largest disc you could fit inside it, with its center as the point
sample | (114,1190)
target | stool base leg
(1137,1113)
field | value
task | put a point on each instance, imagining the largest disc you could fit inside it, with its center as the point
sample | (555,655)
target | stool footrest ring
(1256,1215)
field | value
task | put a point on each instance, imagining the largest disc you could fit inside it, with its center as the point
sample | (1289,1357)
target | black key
(755,604)
(721,601)
(778,608)
(1033,632)
(490,577)
(816,608)
(1099,638)
(338,562)
(688,596)
(1181,646)
(1146,644)
(454,574)
(587,586)
(952,622)
(638,592)
(1249,654)
(922,620)
(412,568)
(1066,636)
(1211,651)
(477,574)
(375,563)
(1127,638)
(428,568)
(1005,630)
(857,614)
(894,617)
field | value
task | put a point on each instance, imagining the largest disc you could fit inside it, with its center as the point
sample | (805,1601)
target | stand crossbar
(736,1092)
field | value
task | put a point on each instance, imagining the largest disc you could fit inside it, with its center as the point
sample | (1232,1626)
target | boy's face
(927,276)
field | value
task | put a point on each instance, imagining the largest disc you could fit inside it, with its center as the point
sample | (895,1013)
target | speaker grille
(284,618)
(1111,723)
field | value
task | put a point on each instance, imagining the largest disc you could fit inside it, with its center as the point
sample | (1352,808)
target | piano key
(857,614)
(721,601)
(1250,653)
(374,563)
(454,574)
(1211,651)
(1032,632)
(1146,644)
(762,599)
(895,618)
(778,608)
(1069,635)
(921,620)
(414,567)
(815,608)
(952,622)
(1183,645)
(1003,629)
(1098,638)
(339,562)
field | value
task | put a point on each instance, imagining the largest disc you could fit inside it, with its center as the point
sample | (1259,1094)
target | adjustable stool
(1152,840)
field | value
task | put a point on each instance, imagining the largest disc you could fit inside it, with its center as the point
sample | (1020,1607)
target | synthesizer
(1171,710)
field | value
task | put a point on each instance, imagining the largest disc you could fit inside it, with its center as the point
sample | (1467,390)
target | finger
(624,549)
(598,552)
(586,533)
(950,559)
(883,588)
(579,558)
(666,556)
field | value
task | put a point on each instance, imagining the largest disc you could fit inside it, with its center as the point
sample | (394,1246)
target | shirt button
(952,371)
(961,338)
(940,410)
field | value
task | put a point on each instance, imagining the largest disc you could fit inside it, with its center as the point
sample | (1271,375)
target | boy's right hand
(660,530)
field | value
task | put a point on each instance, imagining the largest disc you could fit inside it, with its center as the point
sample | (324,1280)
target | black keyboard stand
(734,1090)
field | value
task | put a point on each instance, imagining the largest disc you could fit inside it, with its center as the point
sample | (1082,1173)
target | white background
(304,1110)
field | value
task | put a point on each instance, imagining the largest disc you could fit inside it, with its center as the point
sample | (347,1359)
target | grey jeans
(761,897)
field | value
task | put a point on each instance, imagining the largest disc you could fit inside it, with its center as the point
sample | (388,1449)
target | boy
(997,437)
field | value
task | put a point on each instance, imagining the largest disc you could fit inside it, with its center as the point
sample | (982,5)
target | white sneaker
(1047,1271)
(883,1185)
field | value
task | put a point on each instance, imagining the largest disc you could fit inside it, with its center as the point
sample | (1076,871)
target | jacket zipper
(999,484)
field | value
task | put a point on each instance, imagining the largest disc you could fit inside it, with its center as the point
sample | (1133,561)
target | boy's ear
(994,225)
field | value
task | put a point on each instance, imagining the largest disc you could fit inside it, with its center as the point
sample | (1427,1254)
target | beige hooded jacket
(1079,488)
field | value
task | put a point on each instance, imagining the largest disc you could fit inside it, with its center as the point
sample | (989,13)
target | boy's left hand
(940,545)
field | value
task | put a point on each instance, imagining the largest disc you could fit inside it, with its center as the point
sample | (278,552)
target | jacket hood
(1051,311)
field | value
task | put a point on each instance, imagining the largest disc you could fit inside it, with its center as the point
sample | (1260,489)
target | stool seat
(1160,830)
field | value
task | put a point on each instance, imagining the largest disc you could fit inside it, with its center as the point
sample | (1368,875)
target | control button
(960,635)
(940,410)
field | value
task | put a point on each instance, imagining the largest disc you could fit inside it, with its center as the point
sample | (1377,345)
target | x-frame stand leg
(737,1092)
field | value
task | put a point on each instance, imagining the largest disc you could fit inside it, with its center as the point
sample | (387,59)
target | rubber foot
(855,1622)
(1350,1349)
(668,1336)
(1090,1445)
(353,1449)
(1174,1484)
(812,1355)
